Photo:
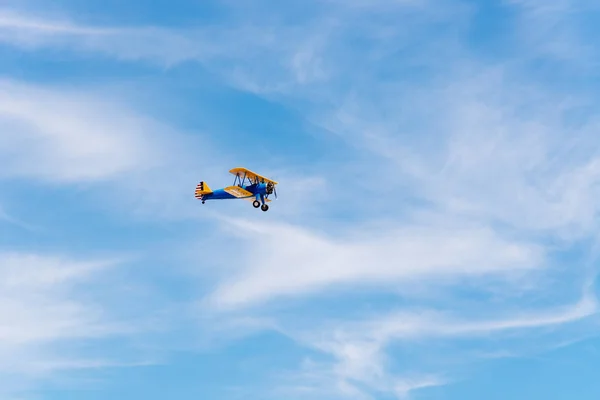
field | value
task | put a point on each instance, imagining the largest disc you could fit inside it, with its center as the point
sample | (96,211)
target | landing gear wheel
(264,207)
(256,203)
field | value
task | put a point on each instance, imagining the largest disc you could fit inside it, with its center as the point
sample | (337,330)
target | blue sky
(435,235)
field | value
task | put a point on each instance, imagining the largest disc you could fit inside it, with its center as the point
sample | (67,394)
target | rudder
(201,189)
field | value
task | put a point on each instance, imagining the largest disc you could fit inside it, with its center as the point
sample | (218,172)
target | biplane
(247,185)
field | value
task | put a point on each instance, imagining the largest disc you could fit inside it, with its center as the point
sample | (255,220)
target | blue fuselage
(221,194)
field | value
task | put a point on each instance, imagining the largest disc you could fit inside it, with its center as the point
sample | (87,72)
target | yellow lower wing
(252,199)
(238,192)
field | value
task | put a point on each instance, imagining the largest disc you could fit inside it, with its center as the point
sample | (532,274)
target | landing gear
(260,202)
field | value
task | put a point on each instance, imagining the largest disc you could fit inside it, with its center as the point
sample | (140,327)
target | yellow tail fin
(202,188)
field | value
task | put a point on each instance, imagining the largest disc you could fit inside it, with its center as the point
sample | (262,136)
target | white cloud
(61,135)
(296,261)
(403,388)
(153,44)
(557,29)
(15,23)
(46,307)
(494,168)
(359,348)
(492,164)
(10,219)
(475,166)
(503,150)
(504,161)
(309,53)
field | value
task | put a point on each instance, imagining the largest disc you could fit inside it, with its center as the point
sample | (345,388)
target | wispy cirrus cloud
(296,261)
(32,32)
(535,169)
(361,353)
(559,30)
(84,135)
(62,315)
(307,52)
(67,136)
(480,173)
(463,147)
(47,310)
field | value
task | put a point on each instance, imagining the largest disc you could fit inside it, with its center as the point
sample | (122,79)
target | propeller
(271,189)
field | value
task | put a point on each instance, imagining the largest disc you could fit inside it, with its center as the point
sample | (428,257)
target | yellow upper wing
(241,172)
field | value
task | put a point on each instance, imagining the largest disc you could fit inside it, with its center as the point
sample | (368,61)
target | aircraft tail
(202,189)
